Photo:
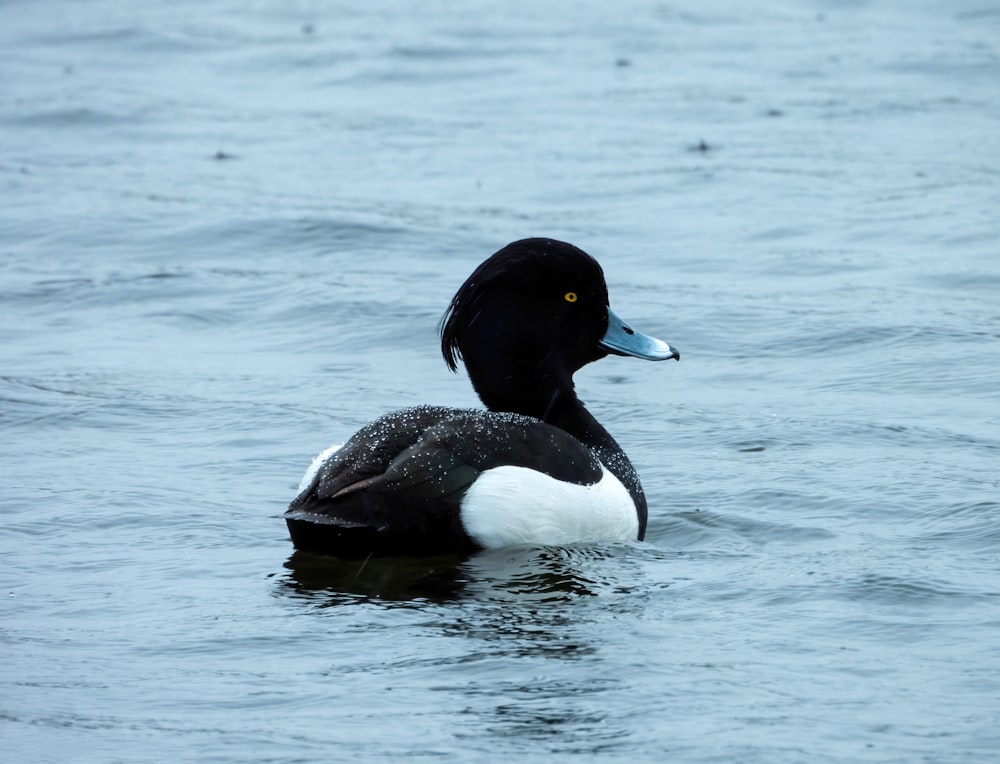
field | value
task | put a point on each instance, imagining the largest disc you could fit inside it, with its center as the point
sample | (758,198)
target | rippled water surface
(227,233)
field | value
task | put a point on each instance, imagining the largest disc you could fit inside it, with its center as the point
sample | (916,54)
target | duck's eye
(570,297)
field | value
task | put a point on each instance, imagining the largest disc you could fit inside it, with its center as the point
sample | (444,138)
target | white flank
(316,464)
(508,506)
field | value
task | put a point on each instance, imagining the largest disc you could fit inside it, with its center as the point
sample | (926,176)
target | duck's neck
(564,410)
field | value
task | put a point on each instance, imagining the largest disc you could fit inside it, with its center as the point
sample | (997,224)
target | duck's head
(528,318)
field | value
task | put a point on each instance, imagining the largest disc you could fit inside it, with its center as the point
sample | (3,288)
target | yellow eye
(570,297)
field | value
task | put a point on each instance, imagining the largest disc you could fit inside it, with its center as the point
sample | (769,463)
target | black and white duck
(534,468)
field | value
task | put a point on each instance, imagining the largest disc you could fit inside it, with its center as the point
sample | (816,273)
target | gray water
(227,233)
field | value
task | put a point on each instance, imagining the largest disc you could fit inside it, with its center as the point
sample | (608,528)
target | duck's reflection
(514,638)
(330,581)
(523,574)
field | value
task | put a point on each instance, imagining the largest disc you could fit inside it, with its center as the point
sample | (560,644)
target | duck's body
(435,480)
(536,468)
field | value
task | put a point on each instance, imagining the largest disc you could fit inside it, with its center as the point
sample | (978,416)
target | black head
(528,318)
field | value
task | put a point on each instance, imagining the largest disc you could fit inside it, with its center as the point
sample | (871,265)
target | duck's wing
(395,488)
(370,451)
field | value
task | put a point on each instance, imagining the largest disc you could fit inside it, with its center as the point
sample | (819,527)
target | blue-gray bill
(622,339)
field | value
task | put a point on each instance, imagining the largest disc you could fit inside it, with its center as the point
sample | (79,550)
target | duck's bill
(622,339)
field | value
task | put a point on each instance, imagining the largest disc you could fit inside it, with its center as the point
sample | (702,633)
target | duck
(533,468)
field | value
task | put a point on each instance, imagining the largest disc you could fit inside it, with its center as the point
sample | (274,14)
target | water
(227,233)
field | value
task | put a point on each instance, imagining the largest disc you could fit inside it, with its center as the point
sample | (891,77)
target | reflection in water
(516,638)
(537,574)
(536,642)
(332,581)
